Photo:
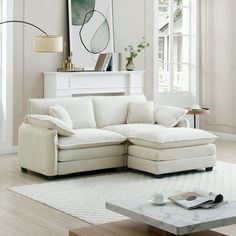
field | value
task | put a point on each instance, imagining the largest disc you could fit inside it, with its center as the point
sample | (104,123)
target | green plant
(132,53)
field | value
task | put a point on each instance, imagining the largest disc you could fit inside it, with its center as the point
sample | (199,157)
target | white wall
(18,68)
(28,65)
(134,19)
(129,28)
(218,53)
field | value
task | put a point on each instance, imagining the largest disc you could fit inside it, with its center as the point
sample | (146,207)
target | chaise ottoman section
(171,150)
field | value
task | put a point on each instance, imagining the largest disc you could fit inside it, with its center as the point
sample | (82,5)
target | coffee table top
(175,219)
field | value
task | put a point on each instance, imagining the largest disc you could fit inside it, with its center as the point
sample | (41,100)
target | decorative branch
(133,53)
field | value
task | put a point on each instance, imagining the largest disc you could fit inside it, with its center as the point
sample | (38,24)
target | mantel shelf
(68,84)
(93,73)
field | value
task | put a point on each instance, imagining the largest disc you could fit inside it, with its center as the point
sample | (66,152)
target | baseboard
(8,150)
(225,136)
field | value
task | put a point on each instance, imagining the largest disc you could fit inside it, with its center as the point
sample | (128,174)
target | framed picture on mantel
(90,31)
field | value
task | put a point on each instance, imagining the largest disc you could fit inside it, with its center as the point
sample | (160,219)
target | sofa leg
(24,170)
(50,177)
(120,169)
(159,176)
(209,168)
(125,168)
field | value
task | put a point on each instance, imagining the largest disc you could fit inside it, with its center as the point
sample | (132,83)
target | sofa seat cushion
(129,129)
(91,153)
(172,138)
(171,153)
(86,138)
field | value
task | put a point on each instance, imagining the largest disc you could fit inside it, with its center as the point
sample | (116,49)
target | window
(174,45)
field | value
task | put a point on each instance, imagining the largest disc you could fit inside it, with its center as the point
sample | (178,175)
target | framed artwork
(90,31)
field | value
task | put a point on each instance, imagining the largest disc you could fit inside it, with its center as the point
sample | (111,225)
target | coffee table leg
(159,232)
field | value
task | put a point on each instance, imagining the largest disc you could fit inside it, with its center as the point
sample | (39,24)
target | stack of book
(108,62)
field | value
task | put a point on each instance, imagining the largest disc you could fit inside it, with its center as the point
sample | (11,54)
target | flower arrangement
(132,53)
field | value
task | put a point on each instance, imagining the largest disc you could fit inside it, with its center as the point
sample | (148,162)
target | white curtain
(6,72)
(1,100)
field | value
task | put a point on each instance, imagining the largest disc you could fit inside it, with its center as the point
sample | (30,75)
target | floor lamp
(45,42)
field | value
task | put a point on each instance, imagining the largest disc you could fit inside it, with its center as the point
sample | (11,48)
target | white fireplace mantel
(68,84)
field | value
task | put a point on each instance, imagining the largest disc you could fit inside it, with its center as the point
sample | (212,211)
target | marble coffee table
(173,219)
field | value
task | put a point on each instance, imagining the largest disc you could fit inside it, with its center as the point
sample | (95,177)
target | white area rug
(85,197)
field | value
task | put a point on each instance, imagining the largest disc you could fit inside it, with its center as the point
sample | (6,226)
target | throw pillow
(61,113)
(140,112)
(169,116)
(50,122)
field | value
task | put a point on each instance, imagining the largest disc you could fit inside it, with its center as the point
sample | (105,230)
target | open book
(197,198)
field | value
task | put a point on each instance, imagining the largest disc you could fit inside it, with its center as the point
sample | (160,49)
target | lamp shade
(48,43)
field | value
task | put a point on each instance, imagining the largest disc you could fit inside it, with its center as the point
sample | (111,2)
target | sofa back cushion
(80,109)
(169,116)
(140,112)
(113,110)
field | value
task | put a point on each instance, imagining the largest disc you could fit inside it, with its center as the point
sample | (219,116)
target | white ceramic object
(156,203)
(156,198)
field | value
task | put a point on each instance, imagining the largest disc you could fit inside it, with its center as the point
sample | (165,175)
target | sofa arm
(38,149)
(183,123)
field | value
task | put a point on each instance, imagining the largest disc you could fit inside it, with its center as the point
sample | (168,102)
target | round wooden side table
(194,112)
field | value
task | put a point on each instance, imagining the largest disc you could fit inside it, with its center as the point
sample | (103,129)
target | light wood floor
(20,216)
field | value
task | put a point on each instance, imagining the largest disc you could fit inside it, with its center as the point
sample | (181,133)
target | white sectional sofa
(109,132)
